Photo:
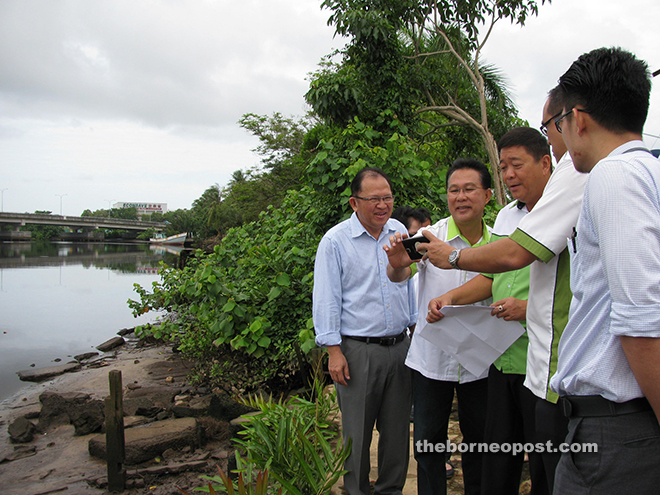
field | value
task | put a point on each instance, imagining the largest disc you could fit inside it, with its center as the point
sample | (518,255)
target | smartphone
(410,244)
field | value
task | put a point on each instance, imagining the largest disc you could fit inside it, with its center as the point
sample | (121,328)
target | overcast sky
(138,100)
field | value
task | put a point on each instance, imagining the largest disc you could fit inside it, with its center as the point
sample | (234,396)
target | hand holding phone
(410,243)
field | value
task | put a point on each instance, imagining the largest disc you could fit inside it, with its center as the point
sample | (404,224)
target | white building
(144,208)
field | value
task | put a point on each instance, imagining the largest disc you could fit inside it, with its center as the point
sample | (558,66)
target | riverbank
(58,461)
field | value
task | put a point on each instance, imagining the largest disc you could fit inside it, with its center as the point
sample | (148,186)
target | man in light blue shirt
(608,373)
(361,317)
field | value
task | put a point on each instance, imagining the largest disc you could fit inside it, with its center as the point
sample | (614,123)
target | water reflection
(121,257)
(61,299)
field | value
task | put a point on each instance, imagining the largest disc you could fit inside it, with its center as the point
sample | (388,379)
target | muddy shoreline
(58,461)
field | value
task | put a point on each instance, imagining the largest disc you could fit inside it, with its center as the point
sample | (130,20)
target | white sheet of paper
(470,334)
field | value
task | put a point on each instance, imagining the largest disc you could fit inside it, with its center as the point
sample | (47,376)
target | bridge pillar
(15,235)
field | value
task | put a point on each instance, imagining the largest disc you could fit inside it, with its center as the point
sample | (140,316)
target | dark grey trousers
(379,393)
(627,461)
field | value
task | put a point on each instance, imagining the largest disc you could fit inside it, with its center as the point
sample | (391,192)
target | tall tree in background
(431,64)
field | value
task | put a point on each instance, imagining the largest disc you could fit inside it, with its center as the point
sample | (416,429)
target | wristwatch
(453,258)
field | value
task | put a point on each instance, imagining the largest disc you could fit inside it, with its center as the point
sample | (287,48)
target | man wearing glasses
(436,374)
(361,318)
(540,240)
(609,354)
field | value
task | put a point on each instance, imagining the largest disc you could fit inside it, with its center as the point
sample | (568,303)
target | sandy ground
(454,485)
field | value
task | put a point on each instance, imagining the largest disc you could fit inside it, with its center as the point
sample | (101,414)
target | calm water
(58,300)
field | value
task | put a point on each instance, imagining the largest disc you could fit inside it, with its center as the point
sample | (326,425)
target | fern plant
(297,441)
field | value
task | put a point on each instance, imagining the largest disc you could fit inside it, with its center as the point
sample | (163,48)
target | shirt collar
(453,232)
(357,229)
(627,146)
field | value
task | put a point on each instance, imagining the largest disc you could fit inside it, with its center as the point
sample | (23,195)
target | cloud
(138,100)
(162,63)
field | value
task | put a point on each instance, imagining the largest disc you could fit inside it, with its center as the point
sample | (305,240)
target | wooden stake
(114,434)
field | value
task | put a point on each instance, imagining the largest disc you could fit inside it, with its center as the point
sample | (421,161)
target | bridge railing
(72,221)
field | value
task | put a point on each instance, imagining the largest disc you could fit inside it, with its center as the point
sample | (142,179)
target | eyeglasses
(455,191)
(374,200)
(558,120)
(544,125)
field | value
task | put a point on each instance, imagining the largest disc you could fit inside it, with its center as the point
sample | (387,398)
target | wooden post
(114,434)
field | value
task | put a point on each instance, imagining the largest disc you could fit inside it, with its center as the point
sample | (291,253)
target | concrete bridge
(87,224)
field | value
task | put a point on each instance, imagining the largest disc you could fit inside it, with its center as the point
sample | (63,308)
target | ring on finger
(500,308)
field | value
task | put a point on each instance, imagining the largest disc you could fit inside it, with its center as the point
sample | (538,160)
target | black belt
(596,406)
(379,340)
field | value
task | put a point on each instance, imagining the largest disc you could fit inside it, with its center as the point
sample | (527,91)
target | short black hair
(404,213)
(555,103)
(356,184)
(612,85)
(532,140)
(424,213)
(474,164)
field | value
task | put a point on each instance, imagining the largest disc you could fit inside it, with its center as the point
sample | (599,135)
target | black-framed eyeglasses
(455,191)
(544,125)
(374,200)
(563,116)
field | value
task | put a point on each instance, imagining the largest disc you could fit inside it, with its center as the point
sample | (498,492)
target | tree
(373,75)
(203,209)
(436,39)
(180,220)
(439,21)
(281,138)
(123,213)
(284,156)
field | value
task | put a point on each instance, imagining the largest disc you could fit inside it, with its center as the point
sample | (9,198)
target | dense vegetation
(243,311)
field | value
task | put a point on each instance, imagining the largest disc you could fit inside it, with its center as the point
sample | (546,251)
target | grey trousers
(379,393)
(627,461)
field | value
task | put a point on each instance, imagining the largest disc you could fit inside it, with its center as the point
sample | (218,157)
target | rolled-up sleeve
(624,207)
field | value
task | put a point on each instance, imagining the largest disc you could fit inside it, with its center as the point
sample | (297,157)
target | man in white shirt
(437,374)
(609,355)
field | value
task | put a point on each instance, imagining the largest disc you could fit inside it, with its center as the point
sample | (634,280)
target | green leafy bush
(297,441)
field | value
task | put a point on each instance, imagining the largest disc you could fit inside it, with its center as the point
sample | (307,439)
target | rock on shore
(51,436)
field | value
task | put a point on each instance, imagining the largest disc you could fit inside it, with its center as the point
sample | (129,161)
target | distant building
(144,208)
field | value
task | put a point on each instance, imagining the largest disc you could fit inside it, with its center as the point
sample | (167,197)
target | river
(58,300)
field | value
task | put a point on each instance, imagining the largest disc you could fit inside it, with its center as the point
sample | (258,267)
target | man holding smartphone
(437,374)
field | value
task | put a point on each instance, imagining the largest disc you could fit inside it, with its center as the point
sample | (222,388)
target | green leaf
(274,293)
(283,279)
(256,325)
